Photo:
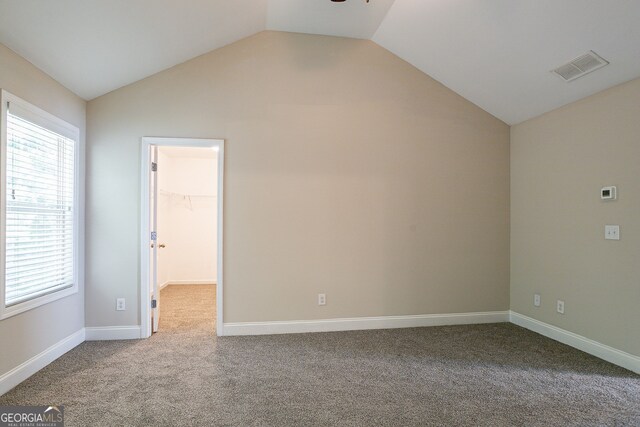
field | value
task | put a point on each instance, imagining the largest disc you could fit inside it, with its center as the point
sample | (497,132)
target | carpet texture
(482,375)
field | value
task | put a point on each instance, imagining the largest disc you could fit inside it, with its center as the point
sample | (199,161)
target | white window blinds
(39,217)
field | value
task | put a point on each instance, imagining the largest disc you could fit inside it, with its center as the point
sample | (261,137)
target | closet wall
(187,200)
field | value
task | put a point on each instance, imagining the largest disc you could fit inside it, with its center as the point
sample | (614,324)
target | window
(39,207)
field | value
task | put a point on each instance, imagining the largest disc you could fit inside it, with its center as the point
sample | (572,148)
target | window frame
(55,124)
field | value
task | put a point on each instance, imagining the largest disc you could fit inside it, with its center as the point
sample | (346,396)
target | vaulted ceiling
(496,53)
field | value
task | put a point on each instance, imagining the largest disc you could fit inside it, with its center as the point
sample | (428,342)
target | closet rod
(171,193)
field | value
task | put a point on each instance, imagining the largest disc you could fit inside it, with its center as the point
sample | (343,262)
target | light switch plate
(612,232)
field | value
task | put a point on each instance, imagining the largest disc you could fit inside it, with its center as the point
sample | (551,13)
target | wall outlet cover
(612,232)
(322,299)
(536,300)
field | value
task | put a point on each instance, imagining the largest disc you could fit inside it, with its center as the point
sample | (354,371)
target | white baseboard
(361,323)
(188,282)
(610,354)
(20,373)
(106,333)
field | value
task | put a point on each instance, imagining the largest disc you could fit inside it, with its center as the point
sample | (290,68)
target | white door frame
(145,233)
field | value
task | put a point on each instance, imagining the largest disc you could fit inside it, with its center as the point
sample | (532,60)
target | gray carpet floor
(482,375)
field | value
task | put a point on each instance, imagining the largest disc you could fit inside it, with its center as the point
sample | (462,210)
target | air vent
(580,66)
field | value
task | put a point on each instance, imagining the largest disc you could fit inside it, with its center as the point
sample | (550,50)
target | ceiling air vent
(580,66)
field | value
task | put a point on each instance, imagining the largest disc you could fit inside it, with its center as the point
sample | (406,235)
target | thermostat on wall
(608,193)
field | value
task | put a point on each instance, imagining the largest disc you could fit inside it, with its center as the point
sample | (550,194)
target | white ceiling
(95,46)
(498,53)
(351,18)
(495,53)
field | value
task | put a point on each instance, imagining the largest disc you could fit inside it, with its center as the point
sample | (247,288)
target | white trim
(107,333)
(40,117)
(361,323)
(23,371)
(153,221)
(610,354)
(147,143)
(188,282)
(47,120)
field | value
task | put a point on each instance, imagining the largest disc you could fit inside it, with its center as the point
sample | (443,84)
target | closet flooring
(187,308)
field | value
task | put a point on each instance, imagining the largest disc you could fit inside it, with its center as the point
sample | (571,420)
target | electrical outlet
(612,232)
(120,304)
(560,306)
(322,299)
(536,300)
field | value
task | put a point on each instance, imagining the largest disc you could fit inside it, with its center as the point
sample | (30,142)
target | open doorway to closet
(181,286)
(186,226)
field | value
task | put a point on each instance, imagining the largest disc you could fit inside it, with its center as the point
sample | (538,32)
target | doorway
(181,232)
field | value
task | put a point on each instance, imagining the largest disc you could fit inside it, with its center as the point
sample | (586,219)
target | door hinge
(154,167)
(154,303)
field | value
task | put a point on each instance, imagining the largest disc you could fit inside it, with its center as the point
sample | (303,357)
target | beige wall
(348,172)
(559,162)
(27,334)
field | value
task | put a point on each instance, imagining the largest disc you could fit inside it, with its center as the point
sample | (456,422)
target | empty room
(319,213)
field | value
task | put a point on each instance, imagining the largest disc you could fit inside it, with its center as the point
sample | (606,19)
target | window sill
(6,312)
